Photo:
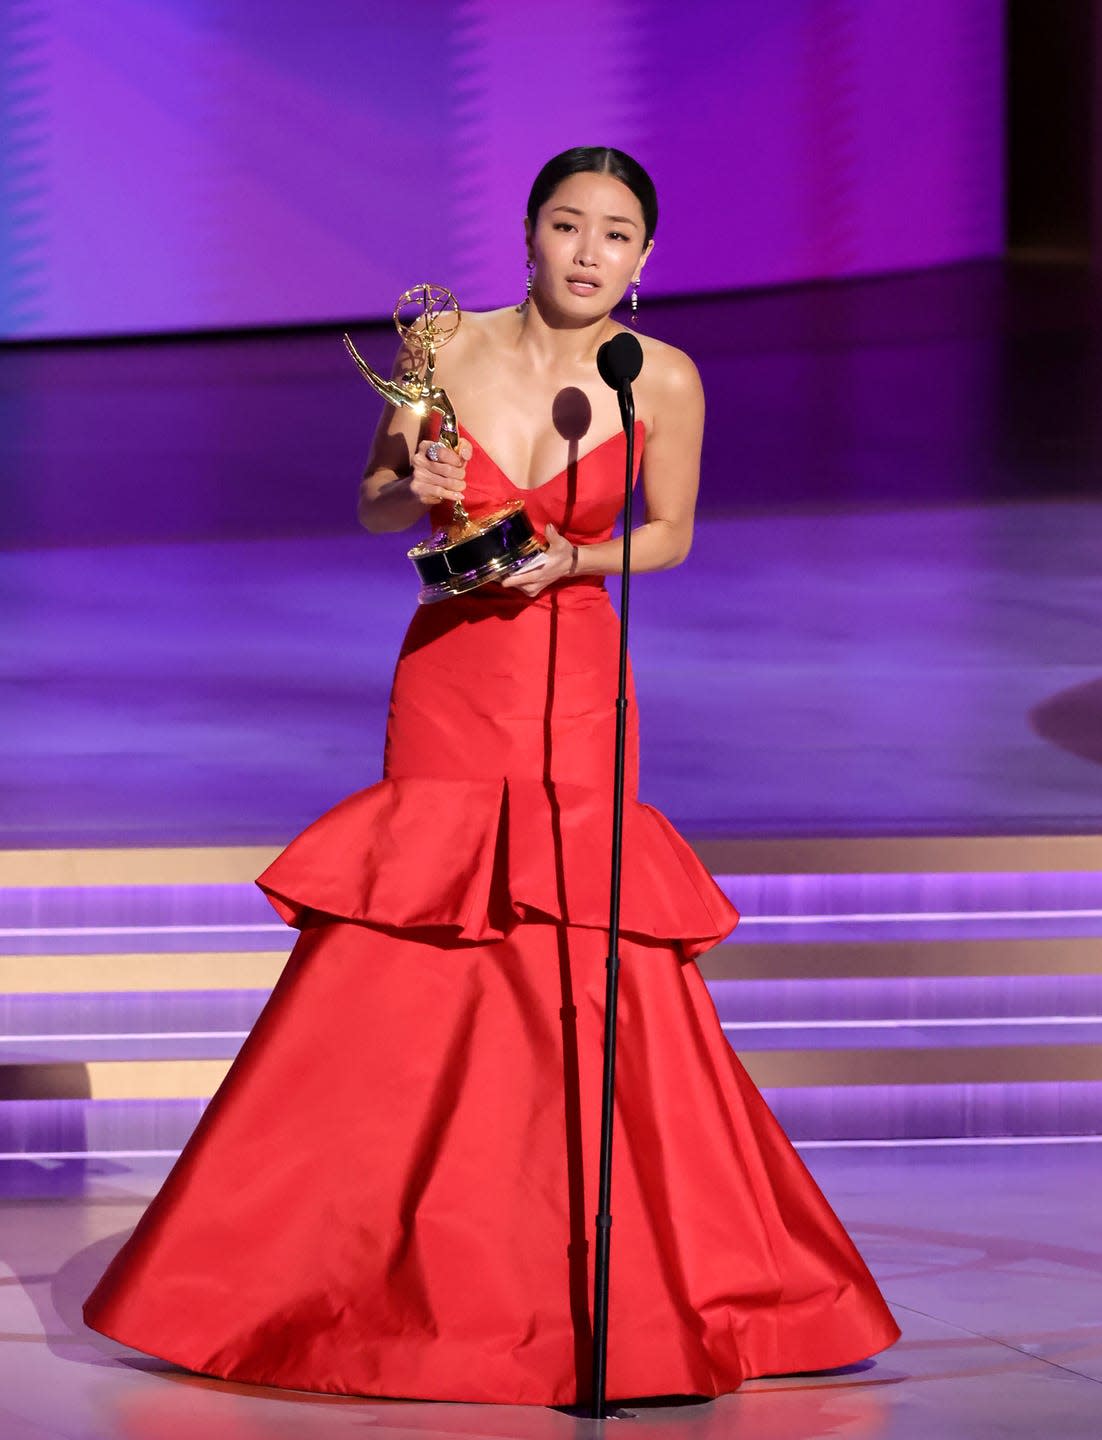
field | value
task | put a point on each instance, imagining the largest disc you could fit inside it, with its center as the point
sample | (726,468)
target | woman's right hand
(438,471)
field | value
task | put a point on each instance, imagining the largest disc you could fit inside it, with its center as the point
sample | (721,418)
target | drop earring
(527,288)
(634,300)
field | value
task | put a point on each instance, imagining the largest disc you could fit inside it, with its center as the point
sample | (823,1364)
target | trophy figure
(466,552)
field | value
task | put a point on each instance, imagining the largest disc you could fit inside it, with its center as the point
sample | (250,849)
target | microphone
(619,361)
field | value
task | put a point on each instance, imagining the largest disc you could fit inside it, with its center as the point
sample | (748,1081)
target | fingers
(438,471)
(531,588)
(529,579)
(438,453)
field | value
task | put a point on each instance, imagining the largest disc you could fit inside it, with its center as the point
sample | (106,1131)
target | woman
(392,1191)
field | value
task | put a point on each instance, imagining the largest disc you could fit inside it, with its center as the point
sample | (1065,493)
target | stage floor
(988,1254)
(923,671)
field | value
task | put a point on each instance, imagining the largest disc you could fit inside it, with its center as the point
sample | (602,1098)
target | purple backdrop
(173,164)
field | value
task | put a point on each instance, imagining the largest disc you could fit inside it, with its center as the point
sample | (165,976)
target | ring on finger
(433,452)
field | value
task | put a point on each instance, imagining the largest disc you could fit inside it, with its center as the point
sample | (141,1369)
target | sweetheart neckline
(531,489)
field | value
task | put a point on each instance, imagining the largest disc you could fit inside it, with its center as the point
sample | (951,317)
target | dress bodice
(583,501)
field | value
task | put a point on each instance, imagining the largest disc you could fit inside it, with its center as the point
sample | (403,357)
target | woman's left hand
(554,563)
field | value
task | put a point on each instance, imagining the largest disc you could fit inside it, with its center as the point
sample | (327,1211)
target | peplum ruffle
(479,857)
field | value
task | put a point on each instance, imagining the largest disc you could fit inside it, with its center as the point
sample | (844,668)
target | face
(587,245)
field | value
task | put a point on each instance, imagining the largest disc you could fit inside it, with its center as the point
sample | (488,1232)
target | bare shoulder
(489,326)
(479,332)
(669,385)
(669,371)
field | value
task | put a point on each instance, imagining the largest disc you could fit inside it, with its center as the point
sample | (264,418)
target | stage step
(810,1115)
(96,971)
(950,1011)
(178,1072)
(859,959)
(895,1005)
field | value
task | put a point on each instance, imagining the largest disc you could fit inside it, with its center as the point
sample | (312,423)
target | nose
(584,249)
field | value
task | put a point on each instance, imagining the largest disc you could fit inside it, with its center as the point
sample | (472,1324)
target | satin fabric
(392,1192)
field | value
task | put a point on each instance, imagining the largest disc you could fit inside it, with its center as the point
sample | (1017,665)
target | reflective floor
(990,1256)
(891,672)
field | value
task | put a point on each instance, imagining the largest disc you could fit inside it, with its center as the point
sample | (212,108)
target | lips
(582,284)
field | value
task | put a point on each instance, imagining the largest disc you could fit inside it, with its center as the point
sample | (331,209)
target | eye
(563,225)
(617,235)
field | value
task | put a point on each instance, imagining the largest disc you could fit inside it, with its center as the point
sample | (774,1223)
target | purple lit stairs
(878,990)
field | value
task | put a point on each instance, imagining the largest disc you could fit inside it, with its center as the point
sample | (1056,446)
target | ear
(643,258)
(528,237)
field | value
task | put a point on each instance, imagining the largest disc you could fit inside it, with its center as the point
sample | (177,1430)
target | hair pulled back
(597,160)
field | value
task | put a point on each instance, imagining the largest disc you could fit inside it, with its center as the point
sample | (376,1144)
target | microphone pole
(619,361)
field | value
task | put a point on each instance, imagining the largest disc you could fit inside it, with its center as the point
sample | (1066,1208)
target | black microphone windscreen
(620,359)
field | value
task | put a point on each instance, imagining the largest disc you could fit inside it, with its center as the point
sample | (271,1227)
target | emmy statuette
(466,552)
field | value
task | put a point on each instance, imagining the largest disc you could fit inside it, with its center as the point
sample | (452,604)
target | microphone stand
(604,1215)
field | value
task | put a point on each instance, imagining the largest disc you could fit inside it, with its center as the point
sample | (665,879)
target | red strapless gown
(392,1191)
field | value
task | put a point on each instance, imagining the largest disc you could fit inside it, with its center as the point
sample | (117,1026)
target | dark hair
(597,160)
